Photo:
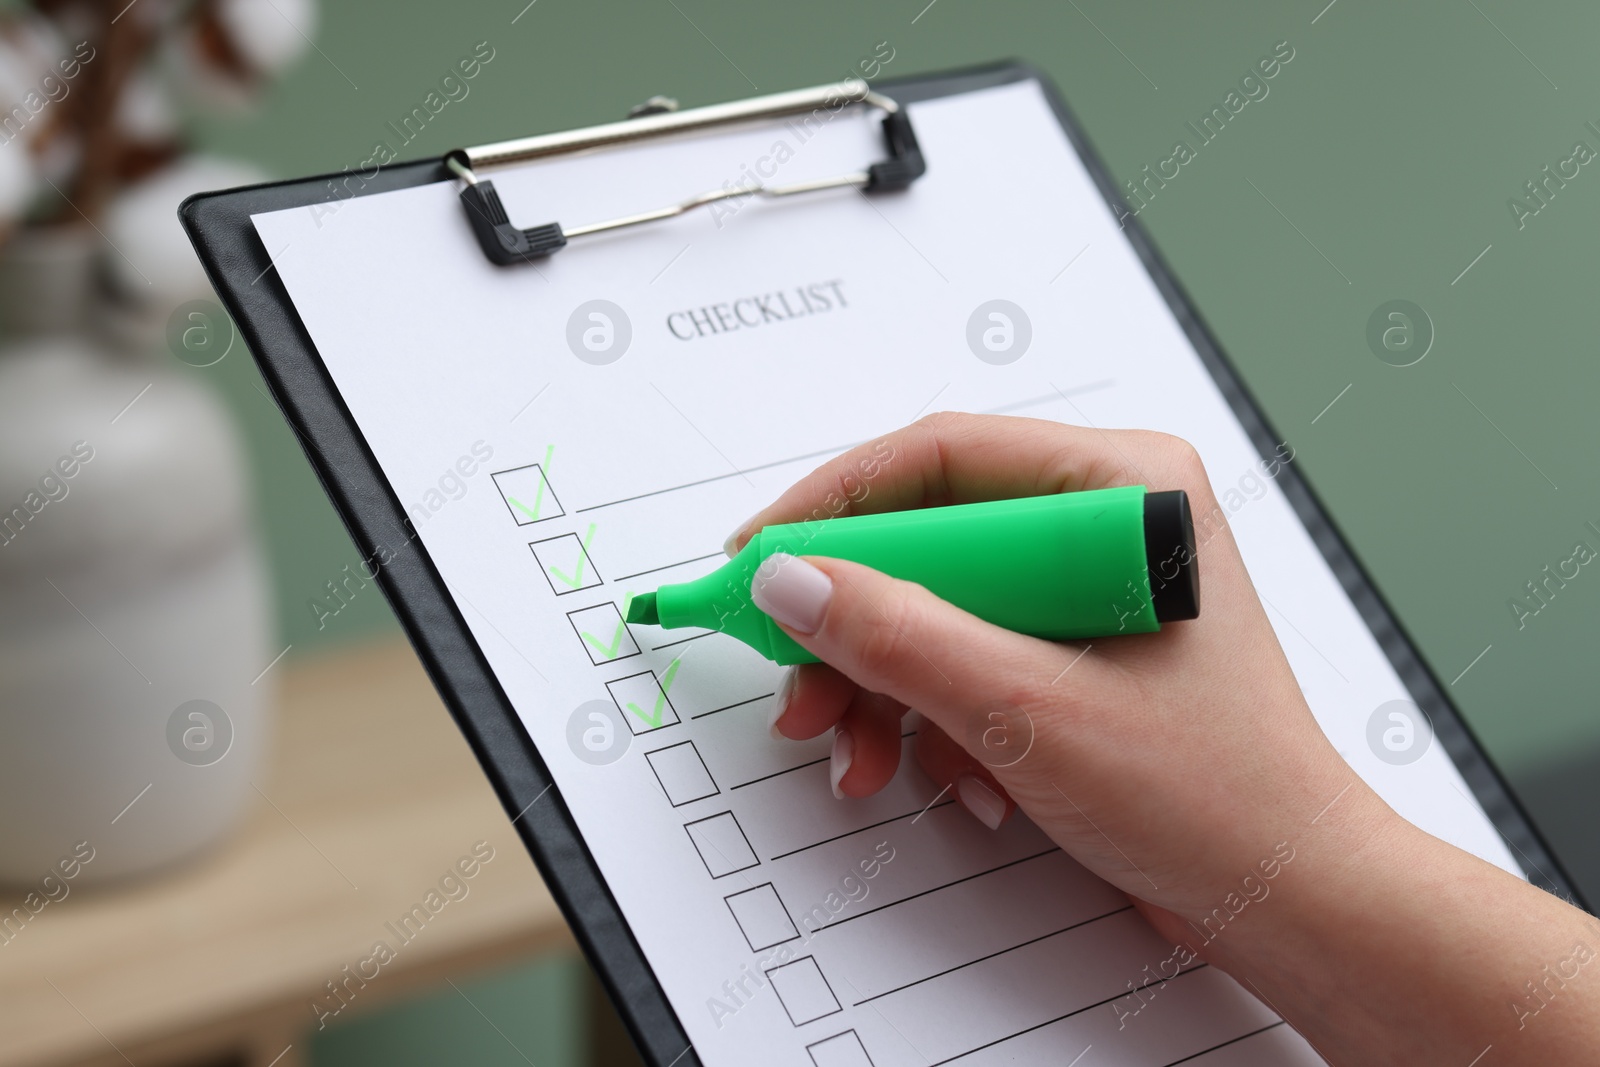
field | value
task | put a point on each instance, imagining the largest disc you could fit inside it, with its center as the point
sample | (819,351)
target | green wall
(534,1013)
(1378,168)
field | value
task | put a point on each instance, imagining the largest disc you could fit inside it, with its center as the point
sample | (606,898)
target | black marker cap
(1171,557)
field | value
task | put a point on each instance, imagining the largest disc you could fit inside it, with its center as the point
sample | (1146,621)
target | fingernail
(844,750)
(792,591)
(984,803)
(780,703)
(730,547)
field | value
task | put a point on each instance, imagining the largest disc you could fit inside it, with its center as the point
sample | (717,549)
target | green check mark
(608,652)
(583,556)
(538,499)
(654,718)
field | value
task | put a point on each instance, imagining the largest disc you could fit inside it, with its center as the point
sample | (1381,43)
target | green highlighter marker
(1071,565)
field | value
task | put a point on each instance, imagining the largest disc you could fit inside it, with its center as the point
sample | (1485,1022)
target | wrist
(1383,944)
(1346,863)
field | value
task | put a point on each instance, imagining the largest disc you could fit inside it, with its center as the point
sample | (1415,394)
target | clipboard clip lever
(505,243)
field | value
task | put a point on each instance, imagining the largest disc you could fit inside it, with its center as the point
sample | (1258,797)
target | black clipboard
(239,267)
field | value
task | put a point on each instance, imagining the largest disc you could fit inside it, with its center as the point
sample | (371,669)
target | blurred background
(221,770)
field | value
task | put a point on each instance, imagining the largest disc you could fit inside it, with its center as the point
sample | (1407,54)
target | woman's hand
(1170,764)
(1182,766)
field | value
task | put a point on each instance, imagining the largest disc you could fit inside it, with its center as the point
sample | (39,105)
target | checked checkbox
(642,699)
(565,562)
(604,635)
(527,491)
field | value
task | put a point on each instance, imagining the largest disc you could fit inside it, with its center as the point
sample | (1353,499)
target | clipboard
(240,267)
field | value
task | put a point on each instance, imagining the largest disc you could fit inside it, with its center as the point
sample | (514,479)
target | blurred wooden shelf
(374,795)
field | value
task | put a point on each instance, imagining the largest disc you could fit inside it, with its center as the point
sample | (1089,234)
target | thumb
(894,637)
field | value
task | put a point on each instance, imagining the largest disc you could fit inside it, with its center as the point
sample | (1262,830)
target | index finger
(953,458)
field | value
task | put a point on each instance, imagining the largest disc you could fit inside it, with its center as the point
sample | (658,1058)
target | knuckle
(882,644)
(940,420)
(1178,452)
(1173,459)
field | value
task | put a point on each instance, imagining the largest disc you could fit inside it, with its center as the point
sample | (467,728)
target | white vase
(128,590)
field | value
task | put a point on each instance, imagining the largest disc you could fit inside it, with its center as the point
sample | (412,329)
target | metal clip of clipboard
(505,243)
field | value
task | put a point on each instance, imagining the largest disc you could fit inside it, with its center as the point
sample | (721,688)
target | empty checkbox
(804,993)
(527,494)
(722,845)
(565,562)
(642,699)
(603,633)
(762,918)
(840,1050)
(682,773)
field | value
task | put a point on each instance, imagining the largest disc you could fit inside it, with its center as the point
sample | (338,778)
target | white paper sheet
(546,487)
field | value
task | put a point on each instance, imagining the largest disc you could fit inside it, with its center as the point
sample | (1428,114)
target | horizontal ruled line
(718,478)
(992,955)
(1091,1007)
(730,707)
(740,473)
(1225,1044)
(683,641)
(800,767)
(935,889)
(667,566)
(857,830)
